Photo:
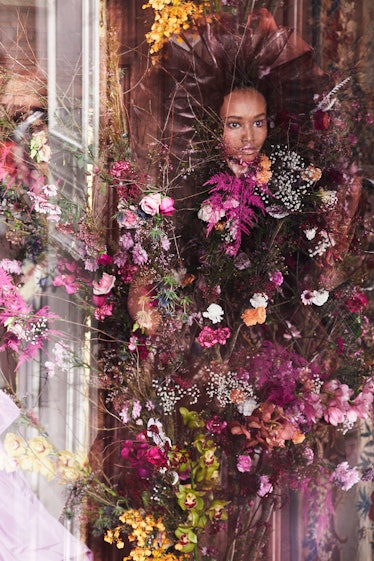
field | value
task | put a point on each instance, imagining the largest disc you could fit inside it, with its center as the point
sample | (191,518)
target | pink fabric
(8,411)
(28,532)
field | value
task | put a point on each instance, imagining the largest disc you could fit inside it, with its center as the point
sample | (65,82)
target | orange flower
(311,173)
(264,174)
(254,316)
(298,437)
(237,395)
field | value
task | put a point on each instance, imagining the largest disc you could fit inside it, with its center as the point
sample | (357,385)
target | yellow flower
(40,446)
(15,446)
(70,465)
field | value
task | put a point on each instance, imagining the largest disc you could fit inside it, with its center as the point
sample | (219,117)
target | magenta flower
(209,337)
(357,302)
(67,281)
(216,425)
(103,311)
(104,259)
(167,206)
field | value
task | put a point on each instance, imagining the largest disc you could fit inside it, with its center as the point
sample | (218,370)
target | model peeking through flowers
(233,351)
(244,117)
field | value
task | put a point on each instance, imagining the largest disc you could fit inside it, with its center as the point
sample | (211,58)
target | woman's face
(243,113)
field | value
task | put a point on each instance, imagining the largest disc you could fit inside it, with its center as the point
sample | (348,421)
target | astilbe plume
(236,200)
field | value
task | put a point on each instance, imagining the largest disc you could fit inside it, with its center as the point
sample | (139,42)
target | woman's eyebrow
(239,117)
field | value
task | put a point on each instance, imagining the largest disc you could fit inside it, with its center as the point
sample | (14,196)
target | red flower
(321,120)
(357,302)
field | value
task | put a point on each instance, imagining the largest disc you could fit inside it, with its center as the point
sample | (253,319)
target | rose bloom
(150,204)
(127,219)
(254,316)
(105,285)
(167,206)
(244,463)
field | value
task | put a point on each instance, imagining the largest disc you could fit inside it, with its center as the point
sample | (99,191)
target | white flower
(11,266)
(329,198)
(259,300)
(320,297)
(316,297)
(247,406)
(207,214)
(310,233)
(214,312)
(155,430)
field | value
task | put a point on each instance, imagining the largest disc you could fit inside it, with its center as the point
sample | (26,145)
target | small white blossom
(320,297)
(310,233)
(247,406)
(259,300)
(214,312)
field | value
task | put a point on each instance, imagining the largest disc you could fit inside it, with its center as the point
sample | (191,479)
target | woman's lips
(247,150)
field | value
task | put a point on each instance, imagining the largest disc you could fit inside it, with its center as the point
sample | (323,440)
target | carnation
(259,299)
(254,316)
(210,337)
(214,312)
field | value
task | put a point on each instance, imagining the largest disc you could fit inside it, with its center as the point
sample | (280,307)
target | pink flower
(210,337)
(103,311)
(150,204)
(345,477)
(208,214)
(265,486)
(244,463)
(68,281)
(105,285)
(167,206)
(139,255)
(99,300)
(127,219)
(104,259)
(276,278)
(156,457)
(357,302)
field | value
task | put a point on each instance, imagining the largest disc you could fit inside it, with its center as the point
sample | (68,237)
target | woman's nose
(247,133)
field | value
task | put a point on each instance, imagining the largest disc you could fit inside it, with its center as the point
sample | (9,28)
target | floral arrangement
(37,455)
(228,356)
